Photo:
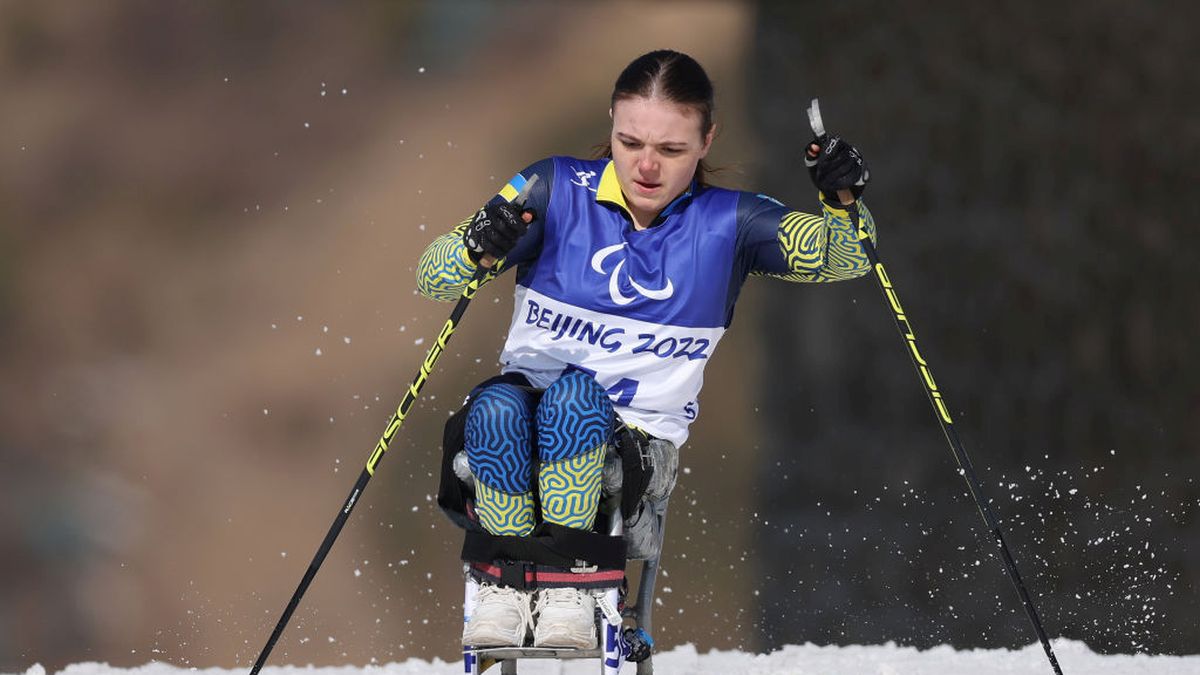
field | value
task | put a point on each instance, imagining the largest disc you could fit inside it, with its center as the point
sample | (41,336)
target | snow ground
(1074,657)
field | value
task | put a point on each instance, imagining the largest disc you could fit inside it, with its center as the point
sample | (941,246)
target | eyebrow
(671,144)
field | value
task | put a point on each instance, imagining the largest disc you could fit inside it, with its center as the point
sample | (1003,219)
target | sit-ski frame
(612,651)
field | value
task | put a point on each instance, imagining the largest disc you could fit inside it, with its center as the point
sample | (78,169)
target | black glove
(494,231)
(837,166)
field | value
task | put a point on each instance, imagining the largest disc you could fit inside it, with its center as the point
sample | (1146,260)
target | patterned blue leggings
(573,423)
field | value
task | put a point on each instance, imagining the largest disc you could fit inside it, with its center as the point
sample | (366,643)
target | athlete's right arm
(445,268)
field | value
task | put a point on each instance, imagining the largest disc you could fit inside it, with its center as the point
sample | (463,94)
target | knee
(498,437)
(574,416)
(576,389)
(499,402)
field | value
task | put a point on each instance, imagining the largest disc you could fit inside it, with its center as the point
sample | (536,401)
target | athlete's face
(656,145)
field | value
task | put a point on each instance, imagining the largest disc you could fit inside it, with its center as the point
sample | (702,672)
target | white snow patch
(809,659)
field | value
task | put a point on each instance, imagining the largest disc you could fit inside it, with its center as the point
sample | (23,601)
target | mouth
(646,187)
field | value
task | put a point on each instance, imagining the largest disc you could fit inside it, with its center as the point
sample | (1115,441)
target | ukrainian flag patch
(513,188)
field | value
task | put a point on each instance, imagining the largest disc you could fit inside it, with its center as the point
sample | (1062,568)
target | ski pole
(966,469)
(482,275)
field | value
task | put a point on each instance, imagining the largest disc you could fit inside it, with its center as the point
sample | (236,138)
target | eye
(632,145)
(672,152)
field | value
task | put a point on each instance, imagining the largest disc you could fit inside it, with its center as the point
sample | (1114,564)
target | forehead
(655,119)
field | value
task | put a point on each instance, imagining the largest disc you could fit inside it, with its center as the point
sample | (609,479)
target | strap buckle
(516,573)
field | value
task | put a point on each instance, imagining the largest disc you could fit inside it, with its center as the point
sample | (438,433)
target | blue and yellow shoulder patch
(513,188)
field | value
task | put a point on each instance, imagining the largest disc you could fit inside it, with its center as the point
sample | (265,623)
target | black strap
(512,573)
(636,468)
(549,544)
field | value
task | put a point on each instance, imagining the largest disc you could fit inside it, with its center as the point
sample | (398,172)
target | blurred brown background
(210,217)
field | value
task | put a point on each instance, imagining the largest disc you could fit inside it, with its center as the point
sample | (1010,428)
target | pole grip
(817,125)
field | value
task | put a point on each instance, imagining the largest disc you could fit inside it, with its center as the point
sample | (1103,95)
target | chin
(654,205)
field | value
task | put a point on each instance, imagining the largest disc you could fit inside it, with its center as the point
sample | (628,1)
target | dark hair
(672,76)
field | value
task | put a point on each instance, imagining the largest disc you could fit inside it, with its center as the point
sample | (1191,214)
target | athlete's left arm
(776,241)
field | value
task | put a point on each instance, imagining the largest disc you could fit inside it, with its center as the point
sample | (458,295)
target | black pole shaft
(966,469)
(393,426)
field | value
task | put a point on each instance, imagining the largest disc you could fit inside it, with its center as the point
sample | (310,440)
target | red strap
(532,577)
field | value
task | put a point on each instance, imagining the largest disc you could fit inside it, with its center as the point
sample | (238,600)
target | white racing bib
(652,372)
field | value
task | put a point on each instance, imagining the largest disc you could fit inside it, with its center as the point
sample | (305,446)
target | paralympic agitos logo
(614,278)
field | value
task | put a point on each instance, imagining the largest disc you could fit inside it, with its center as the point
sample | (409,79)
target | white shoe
(501,618)
(566,617)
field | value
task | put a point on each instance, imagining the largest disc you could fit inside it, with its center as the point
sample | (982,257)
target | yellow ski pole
(482,276)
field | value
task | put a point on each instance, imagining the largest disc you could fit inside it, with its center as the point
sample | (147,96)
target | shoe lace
(508,595)
(559,597)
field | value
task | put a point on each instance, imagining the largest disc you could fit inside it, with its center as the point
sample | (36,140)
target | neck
(642,218)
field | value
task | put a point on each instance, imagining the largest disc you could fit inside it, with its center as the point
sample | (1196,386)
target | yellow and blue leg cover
(574,422)
(498,439)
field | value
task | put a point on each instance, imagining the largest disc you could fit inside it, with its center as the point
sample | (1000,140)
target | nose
(647,163)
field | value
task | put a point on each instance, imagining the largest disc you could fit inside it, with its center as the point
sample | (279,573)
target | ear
(610,113)
(708,139)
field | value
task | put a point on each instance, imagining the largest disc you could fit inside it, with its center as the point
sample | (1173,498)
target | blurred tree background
(1036,201)
(210,217)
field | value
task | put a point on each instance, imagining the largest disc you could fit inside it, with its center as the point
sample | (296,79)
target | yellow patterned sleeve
(444,268)
(824,248)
